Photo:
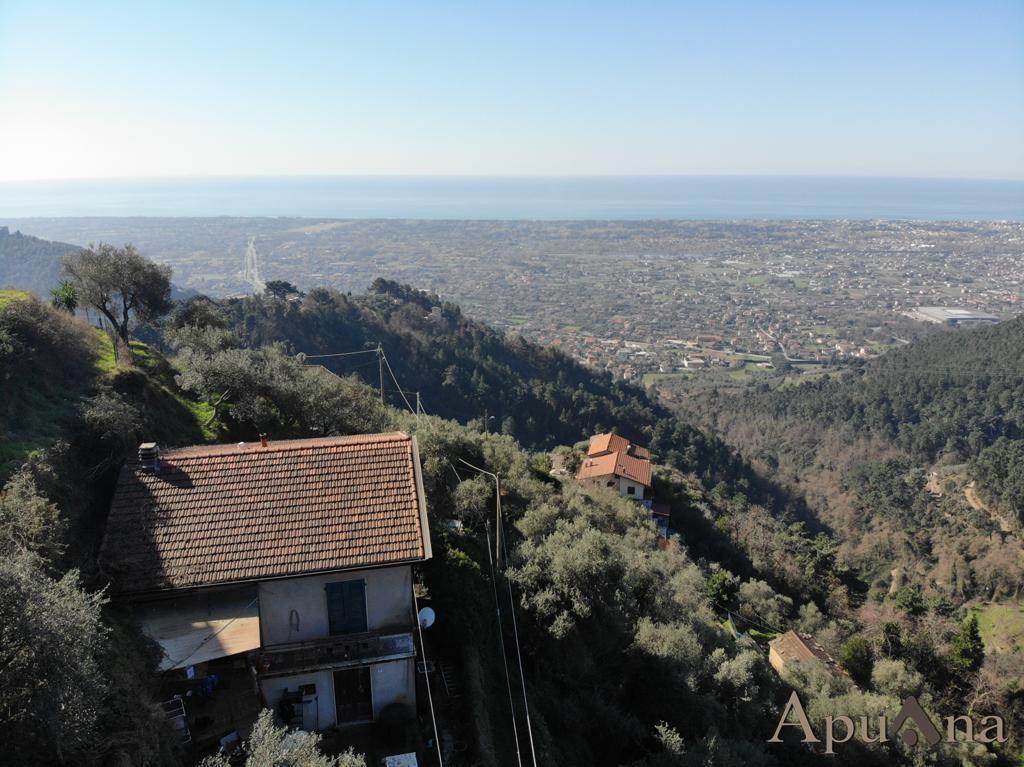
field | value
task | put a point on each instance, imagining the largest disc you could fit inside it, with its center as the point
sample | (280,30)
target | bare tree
(121,284)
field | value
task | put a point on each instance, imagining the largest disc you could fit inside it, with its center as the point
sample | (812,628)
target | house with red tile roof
(613,461)
(291,561)
(791,648)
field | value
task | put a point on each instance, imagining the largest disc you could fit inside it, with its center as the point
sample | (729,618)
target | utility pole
(497,508)
(418,408)
(512,608)
(380,366)
(499,527)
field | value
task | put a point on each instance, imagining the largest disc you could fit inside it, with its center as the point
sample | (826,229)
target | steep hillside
(628,648)
(29,263)
(879,452)
(470,372)
(943,397)
(65,399)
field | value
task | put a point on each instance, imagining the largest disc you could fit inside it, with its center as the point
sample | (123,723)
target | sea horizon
(509,198)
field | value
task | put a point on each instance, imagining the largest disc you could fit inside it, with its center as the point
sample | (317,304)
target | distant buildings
(954,316)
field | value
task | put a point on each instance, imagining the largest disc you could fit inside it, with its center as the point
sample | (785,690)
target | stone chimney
(149,457)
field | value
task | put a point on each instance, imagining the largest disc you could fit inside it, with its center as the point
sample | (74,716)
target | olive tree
(273,391)
(28,521)
(272,746)
(51,635)
(121,284)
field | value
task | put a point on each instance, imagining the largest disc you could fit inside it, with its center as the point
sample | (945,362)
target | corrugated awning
(202,627)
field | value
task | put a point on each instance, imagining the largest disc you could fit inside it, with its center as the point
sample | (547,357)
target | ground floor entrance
(353,695)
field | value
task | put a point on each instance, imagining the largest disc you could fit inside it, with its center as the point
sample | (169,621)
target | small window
(631,490)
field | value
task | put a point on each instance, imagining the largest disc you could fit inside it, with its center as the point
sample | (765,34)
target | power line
(499,536)
(497,517)
(346,371)
(519,657)
(384,362)
(765,624)
(426,673)
(501,644)
(337,354)
(392,372)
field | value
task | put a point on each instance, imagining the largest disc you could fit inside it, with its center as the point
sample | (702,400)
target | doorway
(353,698)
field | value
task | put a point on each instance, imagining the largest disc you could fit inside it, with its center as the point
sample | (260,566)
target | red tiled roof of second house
(618,464)
(601,444)
(225,513)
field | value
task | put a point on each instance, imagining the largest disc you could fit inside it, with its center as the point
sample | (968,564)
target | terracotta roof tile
(792,647)
(601,444)
(619,465)
(606,443)
(222,513)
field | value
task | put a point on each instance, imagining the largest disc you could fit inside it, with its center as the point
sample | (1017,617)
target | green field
(653,378)
(1001,626)
(750,370)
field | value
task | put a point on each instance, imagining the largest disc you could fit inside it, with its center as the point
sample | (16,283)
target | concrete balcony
(335,652)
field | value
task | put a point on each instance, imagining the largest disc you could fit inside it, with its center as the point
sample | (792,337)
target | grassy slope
(8,296)
(176,418)
(1002,626)
(45,406)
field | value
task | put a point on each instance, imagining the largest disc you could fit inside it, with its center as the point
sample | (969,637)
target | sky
(122,89)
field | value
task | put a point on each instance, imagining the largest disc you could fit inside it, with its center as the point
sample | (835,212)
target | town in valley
(644,300)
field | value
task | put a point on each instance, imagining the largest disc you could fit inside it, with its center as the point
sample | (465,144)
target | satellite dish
(301,357)
(427,617)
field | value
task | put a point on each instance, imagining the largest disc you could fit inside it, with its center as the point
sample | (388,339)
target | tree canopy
(120,284)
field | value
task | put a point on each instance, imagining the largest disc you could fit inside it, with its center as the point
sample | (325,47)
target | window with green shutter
(346,607)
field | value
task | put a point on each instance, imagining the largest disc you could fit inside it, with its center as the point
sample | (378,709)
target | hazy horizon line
(503,176)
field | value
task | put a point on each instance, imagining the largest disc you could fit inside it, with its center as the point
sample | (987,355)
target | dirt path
(976,503)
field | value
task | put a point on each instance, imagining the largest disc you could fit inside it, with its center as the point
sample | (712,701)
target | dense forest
(888,454)
(635,653)
(943,398)
(999,472)
(914,461)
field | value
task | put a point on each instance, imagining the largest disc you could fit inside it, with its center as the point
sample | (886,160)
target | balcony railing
(335,652)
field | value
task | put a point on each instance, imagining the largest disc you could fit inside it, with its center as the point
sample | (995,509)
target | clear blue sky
(529,88)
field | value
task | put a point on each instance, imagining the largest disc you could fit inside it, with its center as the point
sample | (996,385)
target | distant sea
(512,198)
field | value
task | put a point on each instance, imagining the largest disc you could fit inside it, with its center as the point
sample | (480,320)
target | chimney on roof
(149,457)
(263,440)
